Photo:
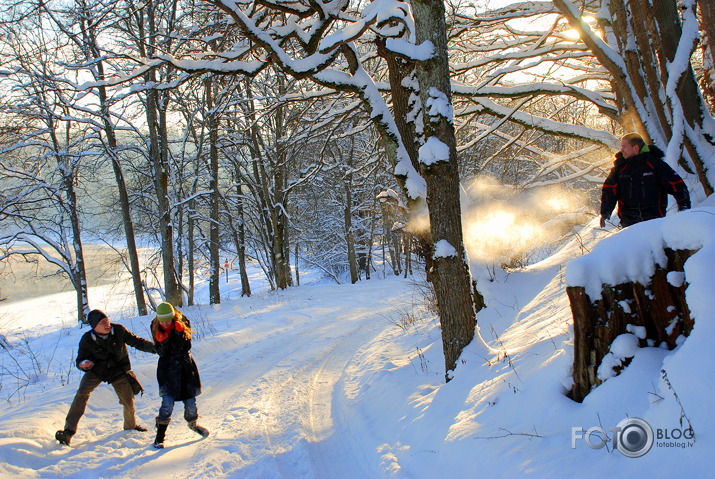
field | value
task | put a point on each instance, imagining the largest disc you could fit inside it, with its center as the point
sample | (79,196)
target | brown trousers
(89,383)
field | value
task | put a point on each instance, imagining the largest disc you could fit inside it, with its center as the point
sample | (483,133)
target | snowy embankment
(346,381)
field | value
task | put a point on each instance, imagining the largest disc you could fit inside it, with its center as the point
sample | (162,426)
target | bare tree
(88,18)
(149,26)
(42,162)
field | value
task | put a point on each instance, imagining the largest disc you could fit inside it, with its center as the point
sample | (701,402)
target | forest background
(347,136)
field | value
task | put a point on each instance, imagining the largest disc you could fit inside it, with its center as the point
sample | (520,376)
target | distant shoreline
(20,279)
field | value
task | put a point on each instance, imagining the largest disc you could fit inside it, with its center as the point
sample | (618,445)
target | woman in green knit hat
(176,371)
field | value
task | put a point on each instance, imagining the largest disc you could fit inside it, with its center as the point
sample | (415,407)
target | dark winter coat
(109,355)
(176,372)
(640,186)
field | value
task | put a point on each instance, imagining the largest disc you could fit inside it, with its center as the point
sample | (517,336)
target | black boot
(64,437)
(198,429)
(160,433)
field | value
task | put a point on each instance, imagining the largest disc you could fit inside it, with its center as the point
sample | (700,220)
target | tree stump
(659,307)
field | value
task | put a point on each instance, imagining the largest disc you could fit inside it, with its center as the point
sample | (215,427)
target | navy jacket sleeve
(136,342)
(85,350)
(609,193)
(674,185)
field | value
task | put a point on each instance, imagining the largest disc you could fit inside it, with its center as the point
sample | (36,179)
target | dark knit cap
(94,317)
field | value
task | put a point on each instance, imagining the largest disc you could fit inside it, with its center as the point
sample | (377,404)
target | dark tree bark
(450,273)
(659,307)
(214,240)
(156,103)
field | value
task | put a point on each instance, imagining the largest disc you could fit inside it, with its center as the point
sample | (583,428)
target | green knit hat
(164,312)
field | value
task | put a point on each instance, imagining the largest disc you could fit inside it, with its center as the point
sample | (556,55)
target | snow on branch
(550,126)
(438,105)
(248,68)
(389,18)
(37,249)
(517,10)
(422,52)
(443,249)
(433,151)
(599,99)
(676,69)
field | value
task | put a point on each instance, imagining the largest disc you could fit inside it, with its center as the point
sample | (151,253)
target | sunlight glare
(501,233)
(511,227)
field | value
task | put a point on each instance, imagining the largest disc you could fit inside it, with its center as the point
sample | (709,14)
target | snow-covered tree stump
(656,313)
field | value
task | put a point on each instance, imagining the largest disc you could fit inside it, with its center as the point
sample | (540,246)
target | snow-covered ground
(346,381)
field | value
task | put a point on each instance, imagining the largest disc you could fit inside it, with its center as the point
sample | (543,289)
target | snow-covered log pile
(648,285)
(627,315)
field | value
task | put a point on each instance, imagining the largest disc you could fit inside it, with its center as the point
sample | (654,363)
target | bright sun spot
(558,204)
(514,228)
(501,234)
(498,223)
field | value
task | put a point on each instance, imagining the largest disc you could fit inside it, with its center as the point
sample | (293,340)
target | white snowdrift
(328,381)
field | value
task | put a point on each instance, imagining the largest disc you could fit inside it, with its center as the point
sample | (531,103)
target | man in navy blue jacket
(104,358)
(639,184)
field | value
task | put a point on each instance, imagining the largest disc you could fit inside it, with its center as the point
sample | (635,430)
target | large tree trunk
(689,104)
(158,155)
(214,279)
(404,98)
(155,107)
(450,274)
(79,274)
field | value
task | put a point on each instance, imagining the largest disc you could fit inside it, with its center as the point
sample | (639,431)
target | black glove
(603,221)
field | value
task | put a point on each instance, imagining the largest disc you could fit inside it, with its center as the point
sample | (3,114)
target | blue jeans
(167,407)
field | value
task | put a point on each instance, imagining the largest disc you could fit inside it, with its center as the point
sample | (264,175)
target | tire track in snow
(277,412)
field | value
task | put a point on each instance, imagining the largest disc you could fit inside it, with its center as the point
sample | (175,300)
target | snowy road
(347,381)
(279,406)
(274,370)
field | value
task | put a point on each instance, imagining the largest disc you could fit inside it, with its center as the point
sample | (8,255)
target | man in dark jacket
(104,358)
(639,183)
